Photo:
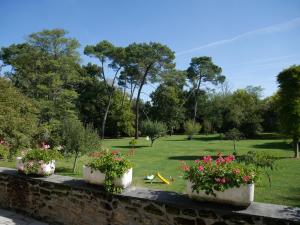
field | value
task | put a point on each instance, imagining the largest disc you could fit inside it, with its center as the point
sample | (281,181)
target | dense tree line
(47,84)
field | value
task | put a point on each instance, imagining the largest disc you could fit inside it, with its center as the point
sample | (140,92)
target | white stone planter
(96,177)
(45,169)
(242,196)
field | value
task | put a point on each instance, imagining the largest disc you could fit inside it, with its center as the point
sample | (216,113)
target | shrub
(34,158)
(4,151)
(154,130)
(191,128)
(78,139)
(234,135)
(218,175)
(261,160)
(113,164)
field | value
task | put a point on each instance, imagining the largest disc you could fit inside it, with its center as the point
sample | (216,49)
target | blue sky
(251,40)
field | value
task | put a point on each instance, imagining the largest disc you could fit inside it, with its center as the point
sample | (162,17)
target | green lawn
(166,154)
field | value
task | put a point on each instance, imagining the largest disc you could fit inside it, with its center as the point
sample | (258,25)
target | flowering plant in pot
(221,180)
(109,168)
(39,161)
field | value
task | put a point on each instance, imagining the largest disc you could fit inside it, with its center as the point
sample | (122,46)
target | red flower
(201,168)
(115,152)
(207,159)
(236,171)
(185,167)
(229,158)
(246,179)
(223,180)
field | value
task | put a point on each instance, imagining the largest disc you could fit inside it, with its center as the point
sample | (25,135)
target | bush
(154,129)
(4,152)
(77,139)
(34,158)
(218,175)
(113,164)
(191,128)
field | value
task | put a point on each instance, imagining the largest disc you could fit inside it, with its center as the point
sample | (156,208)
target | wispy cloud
(281,27)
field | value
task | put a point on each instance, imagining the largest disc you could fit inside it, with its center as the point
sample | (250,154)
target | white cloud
(288,25)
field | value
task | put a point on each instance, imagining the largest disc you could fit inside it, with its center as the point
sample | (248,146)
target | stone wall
(65,200)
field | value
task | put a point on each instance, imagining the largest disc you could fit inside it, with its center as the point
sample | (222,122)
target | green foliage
(261,160)
(147,62)
(77,139)
(35,158)
(4,152)
(235,135)
(46,68)
(191,128)
(289,103)
(152,129)
(133,143)
(167,106)
(202,69)
(113,164)
(18,121)
(218,175)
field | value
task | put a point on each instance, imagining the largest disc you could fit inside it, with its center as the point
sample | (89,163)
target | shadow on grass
(269,136)
(130,147)
(202,138)
(65,171)
(275,145)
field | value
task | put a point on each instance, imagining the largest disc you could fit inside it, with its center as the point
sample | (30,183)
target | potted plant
(109,168)
(222,180)
(39,161)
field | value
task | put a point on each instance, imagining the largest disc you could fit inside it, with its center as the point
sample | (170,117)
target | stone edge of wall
(263,210)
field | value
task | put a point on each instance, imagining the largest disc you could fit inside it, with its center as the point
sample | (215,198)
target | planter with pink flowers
(222,180)
(40,162)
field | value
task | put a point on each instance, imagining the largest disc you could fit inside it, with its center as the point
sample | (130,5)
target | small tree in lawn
(77,139)
(191,128)
(234,135)
(289,104)
(154,130)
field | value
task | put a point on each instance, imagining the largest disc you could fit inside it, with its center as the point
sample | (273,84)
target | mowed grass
(167,153)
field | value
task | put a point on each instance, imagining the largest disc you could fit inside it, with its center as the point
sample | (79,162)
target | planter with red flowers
(222,180)
(40,161)
(110,169)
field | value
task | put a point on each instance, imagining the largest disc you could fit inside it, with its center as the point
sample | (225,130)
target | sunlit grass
(166,154)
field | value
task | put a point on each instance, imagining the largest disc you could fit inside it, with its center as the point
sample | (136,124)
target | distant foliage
(191,128)
(77,139)
(18,119)
(154,130)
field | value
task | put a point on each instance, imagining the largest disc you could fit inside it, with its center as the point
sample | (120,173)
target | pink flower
(220,160)
(45,146)
(246,179)
(118,159)
(236,171)
(201,168)
(185,168)
(221,180)
(229,158)
(197,161)
(207,159)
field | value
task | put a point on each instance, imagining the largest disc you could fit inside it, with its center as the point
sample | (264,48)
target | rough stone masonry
(66,200)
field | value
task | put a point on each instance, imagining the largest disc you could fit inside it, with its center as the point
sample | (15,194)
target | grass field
(166,154)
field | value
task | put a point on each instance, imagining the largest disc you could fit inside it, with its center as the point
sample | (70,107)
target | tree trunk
(137,102)
(75,162)
(196,99)
(137,112)
(296,142)
(234,146)
(105,117)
